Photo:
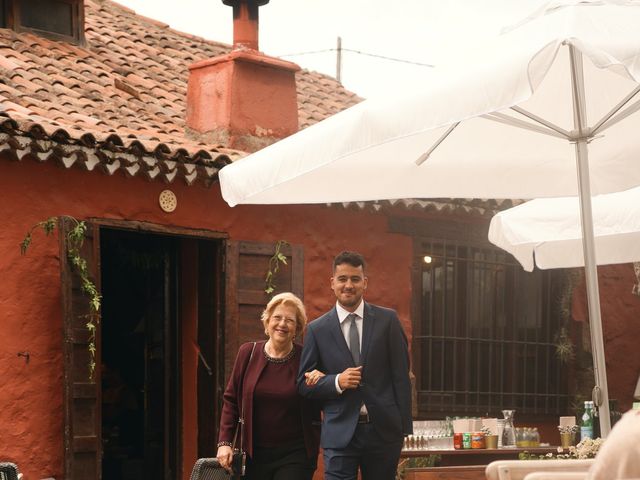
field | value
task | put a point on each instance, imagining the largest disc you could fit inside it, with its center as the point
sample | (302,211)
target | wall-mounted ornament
(168,201)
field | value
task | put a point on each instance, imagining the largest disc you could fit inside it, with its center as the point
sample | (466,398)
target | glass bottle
(586,423)
(508,433)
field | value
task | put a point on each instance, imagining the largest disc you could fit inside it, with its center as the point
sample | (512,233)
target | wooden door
(82,422)
(247,264)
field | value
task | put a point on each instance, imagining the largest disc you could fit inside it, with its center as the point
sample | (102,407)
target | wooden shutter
(82,420)
(247,264)
(210,335)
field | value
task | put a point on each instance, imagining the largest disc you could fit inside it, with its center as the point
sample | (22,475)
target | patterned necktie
(354,340)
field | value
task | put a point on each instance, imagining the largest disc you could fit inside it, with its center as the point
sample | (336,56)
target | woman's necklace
(280,359)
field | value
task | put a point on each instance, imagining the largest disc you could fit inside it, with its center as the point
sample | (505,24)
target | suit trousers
(377,458)
(286,462)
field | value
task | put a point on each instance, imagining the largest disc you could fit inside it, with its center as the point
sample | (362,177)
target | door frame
(82,437)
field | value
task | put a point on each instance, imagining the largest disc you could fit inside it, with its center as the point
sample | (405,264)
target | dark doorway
(153,405)
(139,354)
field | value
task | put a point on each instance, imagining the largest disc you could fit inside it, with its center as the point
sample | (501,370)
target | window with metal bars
(484,339)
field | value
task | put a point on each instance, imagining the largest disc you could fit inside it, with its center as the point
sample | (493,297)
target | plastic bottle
(536,437)
(586,425)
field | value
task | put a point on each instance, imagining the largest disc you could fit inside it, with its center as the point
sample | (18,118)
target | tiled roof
(119,102)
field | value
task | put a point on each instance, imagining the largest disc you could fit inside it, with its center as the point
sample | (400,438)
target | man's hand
(350,378)
(311,378)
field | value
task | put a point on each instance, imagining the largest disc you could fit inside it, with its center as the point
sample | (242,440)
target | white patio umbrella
(546,232)
(509,123)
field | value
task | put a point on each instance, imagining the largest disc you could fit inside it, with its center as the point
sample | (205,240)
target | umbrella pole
(600,391)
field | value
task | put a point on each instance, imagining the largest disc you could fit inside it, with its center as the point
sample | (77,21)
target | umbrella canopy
(556,94)
(546,232)
(521,79)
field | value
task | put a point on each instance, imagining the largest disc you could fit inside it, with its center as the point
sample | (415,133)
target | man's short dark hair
(351,258)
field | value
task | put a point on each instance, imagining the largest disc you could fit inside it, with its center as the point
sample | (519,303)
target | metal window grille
(484,339)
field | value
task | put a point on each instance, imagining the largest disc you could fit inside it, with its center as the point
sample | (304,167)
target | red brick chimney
(244,99)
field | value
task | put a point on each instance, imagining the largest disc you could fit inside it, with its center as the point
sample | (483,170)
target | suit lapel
(336,331)
(368,326)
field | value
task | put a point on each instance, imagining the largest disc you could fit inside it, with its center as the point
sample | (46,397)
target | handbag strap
(241,417)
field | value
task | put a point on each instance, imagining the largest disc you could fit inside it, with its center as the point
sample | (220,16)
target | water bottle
(586,425)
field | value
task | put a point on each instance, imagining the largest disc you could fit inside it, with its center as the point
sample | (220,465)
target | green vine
(567,351)
(564,346)
(75,240)
(274,265)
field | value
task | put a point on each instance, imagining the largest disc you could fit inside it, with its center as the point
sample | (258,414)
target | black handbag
(239,461)
(209,469)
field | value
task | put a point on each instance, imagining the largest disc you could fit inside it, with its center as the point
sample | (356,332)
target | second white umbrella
(546,232)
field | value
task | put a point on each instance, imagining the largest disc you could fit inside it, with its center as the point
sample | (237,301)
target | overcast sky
(422,31)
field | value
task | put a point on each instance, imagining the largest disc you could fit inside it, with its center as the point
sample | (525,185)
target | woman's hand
(225,456)
(312,377)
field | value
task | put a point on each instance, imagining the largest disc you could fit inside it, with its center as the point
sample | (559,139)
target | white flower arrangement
(486,430)
(587,448)
(568,428)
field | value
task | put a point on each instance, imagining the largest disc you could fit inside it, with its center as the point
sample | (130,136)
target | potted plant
(490,438)
(567,435)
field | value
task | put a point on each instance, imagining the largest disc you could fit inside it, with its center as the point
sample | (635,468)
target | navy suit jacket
(385,389)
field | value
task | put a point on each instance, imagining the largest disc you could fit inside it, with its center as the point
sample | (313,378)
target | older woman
(281,430)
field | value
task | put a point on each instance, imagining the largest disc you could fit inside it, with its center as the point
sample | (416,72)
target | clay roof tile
(125,88)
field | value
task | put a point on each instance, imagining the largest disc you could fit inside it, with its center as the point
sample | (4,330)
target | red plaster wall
(30,312)
(264,100)
(621,328)
(243,93)
(207,107)
(30,297)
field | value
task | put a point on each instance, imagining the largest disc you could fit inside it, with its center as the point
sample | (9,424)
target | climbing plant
(565,348)
(75,240)
(571,354)
(274,265)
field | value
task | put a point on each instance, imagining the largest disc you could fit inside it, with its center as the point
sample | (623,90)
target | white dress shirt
(344,326)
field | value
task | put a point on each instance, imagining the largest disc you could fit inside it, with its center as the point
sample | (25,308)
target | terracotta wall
(30,313)
(621,328)
(30,297)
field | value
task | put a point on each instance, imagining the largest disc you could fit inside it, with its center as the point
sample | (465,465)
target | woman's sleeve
(231,400)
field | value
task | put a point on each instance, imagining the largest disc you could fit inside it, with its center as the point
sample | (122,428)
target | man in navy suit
(365,391)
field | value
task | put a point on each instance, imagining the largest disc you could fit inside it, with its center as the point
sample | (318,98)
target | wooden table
(479,456)
(467,464)
(446,473)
